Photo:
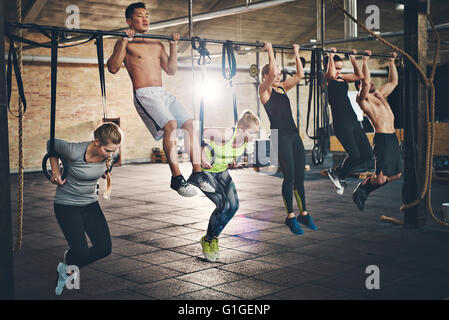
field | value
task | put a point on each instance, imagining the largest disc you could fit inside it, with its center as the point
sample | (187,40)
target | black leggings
(353,138)
(225,198)
(75,223)
(292,160)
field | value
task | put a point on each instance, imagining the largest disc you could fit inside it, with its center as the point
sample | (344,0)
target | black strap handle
(14,63)
(311,92)
(228,51)
(54,73)
(100,56)
(199,45)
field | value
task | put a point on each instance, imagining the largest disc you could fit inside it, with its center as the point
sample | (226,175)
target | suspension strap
(200,45)
(13,62)
(311,93)
(228,51)
(54,74)
(100,56)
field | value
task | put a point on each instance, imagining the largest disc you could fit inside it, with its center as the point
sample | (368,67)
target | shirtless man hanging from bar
(160,111)
(387,153)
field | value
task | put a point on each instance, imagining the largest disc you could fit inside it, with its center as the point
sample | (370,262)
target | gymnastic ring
(315,154)
(64,167)
(320,156)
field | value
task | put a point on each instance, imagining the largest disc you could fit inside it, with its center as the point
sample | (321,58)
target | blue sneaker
(62,278)
(294,226)
(307,221)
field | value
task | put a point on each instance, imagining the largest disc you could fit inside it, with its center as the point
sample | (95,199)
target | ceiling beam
(34,10)
(196,18)
(197,28)
(311,33)
(220,13)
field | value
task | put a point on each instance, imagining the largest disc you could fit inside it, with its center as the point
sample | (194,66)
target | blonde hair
(246,118)
(108,133)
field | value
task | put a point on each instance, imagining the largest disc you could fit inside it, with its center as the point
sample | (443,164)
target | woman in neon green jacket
(225,145)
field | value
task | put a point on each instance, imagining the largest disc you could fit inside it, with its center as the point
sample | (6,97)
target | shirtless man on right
(161,112)
(387,152)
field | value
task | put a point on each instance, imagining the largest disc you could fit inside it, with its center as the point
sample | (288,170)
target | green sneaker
(214,245)
(208,250)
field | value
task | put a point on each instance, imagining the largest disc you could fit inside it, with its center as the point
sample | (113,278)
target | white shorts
(156,107)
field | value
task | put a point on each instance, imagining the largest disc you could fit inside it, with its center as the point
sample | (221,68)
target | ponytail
(108,187)
(107,133)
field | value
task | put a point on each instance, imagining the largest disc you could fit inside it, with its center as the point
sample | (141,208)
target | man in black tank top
(273,95)
(347,128)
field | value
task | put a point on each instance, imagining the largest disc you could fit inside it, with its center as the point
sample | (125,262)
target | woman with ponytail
(76,201)
(223,148)
(292,158)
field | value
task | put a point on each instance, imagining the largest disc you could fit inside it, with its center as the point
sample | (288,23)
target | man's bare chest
(142,50)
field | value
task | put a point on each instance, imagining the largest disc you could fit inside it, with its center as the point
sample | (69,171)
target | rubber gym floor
(156,252)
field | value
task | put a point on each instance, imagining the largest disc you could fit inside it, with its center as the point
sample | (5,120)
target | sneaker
(214,244)
(333,176)
(208,250)
(294,226)
(359,196)
(342,189)
(307,221)
(62,278)
(180,185)
(200,180)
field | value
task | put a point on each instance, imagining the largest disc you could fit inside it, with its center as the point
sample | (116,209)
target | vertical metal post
(415,40)
(258,81)
(297,106)
(350,26)
(6,255)
(320,21)
(191,54)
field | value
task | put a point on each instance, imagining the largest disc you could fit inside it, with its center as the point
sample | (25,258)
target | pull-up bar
(163,37)
(361,53)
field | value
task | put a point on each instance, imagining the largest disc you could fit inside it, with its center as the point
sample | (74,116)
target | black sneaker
(200,180)
(359,196)
(180,185)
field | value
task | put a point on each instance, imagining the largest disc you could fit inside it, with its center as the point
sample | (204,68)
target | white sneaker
(65,257)
(200,180)
(341,190)
(62,278)
(333,177)
(180,185)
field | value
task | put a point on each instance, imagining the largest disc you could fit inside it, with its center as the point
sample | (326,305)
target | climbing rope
(430,107)
(20,113)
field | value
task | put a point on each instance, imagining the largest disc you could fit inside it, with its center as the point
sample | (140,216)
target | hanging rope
(20,113)
(430,111)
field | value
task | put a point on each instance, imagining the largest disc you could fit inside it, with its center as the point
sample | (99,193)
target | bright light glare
(210,90)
